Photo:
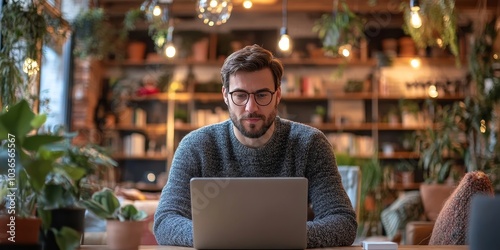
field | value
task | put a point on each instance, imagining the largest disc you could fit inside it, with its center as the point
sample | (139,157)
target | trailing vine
(25,26)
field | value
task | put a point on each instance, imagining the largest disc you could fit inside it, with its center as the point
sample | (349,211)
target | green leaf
(17,120)
(67,238)
(36,141)
(38,121)
(73,172)
(97,209)
(38,170)
(56,196)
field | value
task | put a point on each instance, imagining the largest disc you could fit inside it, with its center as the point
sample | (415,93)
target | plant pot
(63,217)
(21,231)
(136,51)
(200,50)
(433,198)
(123,235)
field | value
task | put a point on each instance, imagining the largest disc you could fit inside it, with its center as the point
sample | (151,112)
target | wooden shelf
(399,155)
(319,61)
(150,128)
(155,157)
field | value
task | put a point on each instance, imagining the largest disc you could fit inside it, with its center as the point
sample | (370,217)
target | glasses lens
(239,98)
(263,98)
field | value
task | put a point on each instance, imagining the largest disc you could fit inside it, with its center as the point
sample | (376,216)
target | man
(255,142)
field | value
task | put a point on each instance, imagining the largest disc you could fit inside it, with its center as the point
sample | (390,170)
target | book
(379,245)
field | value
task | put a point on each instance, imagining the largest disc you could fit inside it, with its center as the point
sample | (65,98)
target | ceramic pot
(136,51)
(20,231)
(124,235)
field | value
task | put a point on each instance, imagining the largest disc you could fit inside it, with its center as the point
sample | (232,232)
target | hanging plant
(24,26)
(338,29)
(92,34)
(439,25)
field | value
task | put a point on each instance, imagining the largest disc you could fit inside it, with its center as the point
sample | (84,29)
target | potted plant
(340,28)
(404,172)
(48,169)
(92,35)
(409,112)
(124,224)
(442,148)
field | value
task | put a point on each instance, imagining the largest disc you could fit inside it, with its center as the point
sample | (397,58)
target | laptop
(484,222)
(249,213)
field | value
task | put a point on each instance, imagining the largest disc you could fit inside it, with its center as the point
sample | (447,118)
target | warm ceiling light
(170,50)
(345,50)
(415,19)
(285,42)
(214,12)
(433,93)
(247,4)
(415,63)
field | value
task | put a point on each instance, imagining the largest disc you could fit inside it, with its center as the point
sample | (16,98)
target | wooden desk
(401,247)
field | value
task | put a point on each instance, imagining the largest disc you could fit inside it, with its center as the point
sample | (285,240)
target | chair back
(351,180)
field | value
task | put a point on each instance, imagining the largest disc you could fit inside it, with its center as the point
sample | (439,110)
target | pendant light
(247,4)
(156,10)
(214,12)
(170,50)
(285,42)
(415,19)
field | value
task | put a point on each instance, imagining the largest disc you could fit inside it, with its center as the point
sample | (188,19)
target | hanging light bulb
(170,47)
(415,20)
(345,50)
(170,50)
(156,10)
(285,42)
(214,12)
(415,63)
(247,4)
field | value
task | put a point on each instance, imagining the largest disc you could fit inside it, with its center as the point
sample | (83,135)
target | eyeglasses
(262,98)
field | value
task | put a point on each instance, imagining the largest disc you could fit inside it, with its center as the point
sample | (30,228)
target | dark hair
(249,59)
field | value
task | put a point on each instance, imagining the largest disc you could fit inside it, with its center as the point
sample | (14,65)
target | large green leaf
(34,142)
(17,120)
(38,170)
(67,238)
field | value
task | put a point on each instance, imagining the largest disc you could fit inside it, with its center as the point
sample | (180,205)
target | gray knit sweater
(294,150)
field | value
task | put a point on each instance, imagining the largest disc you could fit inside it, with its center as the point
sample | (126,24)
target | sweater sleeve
(335,222)
(172,222)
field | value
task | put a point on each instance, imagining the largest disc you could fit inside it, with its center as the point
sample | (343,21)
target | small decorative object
(214,12)
(319,115)
(149,86)
(354,86)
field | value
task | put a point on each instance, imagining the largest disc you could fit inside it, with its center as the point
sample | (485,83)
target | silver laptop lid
(249,213)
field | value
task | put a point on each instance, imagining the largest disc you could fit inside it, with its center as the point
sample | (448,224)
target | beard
(253,131)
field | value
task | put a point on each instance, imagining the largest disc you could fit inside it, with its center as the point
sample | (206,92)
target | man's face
(251,119)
